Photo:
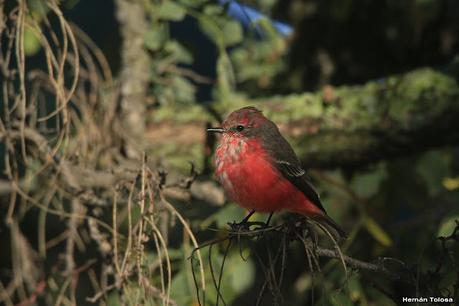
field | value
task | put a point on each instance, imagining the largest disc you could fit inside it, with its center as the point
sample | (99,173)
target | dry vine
(64,164)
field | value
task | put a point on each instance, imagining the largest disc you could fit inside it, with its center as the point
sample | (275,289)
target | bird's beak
(216,130)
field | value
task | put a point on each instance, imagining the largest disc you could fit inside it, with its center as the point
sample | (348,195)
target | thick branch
(354,126)
(383,119)
(134,75)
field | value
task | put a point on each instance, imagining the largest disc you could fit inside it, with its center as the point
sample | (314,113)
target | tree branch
(135,69)
(353,126)
(362,265)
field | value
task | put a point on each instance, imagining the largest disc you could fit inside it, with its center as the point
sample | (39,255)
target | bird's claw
(239,226)
(248,228)
(245,225)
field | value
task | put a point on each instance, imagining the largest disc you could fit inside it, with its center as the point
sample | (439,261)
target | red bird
(260,171)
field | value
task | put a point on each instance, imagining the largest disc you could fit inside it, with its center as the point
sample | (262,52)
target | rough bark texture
(353,126)
(134,74)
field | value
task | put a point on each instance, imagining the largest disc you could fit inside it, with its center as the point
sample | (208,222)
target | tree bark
(134,74)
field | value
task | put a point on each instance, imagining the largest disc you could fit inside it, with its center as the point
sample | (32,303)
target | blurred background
(106,181)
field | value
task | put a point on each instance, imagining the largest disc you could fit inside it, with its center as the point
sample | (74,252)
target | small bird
(259,170)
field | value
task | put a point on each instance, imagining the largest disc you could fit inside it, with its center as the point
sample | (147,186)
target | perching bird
(260,171)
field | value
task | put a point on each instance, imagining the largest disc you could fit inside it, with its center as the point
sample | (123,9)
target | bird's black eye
(239,128)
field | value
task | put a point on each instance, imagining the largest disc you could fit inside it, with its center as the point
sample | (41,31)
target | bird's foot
(244,226)
(262,226)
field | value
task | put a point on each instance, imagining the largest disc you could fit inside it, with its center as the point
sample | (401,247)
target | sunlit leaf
(447,226)
(155,37)
(232,31)
(179,52)
(210,28)
(451,183)
(303,282)
(213,9)
(171,11)
(31,42)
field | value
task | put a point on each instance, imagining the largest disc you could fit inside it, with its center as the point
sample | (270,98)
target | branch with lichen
(345,126)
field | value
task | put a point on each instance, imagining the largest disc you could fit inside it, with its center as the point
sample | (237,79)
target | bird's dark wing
(287,162)
(298,177)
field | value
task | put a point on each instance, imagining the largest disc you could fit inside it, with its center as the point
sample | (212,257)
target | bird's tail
(330,226)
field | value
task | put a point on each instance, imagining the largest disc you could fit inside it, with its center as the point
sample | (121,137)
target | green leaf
(377,232)
(31,42)
(171,11)
(155,37)
(179,52)
(267,27)
(210,28)
(232,31)
(213,9)
(451,183)
(184,90)
(242,274)
(447,226)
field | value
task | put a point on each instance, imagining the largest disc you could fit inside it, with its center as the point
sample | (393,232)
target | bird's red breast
(249,178)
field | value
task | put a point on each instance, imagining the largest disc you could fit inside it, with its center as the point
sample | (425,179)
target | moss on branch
(356,125)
